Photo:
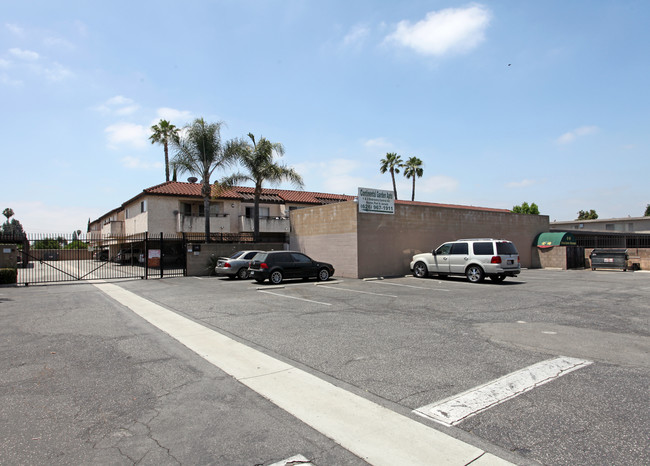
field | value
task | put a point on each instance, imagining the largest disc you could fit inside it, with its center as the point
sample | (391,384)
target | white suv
(475,258)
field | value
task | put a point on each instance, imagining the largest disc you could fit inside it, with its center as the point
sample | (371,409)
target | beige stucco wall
(197,261)
(388,242)
(367,245)
(552,258)
(328,233)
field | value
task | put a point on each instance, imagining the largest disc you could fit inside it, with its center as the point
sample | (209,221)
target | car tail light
(263,265)
(496,260)
(518,259)
(226,264)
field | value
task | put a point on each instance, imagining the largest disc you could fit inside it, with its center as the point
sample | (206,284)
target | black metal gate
(76,257)
(575,257)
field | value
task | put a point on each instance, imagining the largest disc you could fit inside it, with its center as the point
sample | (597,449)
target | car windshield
(236,255)
(506,247)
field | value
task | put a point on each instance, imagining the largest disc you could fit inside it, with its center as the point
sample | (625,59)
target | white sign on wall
(376,201)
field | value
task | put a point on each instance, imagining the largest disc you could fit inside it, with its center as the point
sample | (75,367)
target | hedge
(8,276)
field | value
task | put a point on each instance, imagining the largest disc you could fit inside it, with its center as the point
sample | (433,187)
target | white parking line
(374,433)
(455,409)
(357,291)
(381,282)
(294,297)
(294,461)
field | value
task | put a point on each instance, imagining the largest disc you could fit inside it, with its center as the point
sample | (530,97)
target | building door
(575,257)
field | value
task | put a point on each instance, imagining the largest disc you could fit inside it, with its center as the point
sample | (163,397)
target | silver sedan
(235,265)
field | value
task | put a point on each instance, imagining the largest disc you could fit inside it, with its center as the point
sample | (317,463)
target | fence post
(162,267)
(184,254)
(146,255)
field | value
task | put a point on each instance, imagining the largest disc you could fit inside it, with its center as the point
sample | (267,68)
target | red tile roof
(452,206)
(176,188)
(243,193)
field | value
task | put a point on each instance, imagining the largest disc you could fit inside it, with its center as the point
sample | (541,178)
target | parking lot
(408,344)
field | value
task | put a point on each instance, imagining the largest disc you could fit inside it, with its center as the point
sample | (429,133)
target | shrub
(8,276)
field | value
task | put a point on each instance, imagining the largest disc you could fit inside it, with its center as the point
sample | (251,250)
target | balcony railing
(194,224)
(267,224)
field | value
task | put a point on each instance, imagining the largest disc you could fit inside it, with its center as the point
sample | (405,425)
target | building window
(187,209)
(609,227)
(143,206)
(264,212)
(630,227)
(126,213)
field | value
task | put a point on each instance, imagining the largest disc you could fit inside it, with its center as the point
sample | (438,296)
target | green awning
(548,240)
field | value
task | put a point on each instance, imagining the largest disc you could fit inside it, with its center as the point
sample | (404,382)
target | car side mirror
(433,252)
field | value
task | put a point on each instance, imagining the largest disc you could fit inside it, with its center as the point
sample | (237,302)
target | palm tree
(200,152)
(392,163)
(164,133)
(413,169)
(257,160)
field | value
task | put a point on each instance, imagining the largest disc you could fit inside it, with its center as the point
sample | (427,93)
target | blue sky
(504,101)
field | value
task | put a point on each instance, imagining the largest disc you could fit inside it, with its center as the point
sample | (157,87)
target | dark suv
(278,265)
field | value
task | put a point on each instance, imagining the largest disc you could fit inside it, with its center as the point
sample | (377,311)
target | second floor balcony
(267,224)
(112,228)
(196,224)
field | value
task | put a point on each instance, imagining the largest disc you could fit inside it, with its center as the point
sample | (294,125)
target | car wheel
(498,278)
(242,274)
(323,275)
(259,280)
(420,270)
(474,274)
(276,277)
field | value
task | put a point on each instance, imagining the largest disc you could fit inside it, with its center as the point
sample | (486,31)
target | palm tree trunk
(392,174)
(413,193)
(256,213)
(166,162)
(206,191)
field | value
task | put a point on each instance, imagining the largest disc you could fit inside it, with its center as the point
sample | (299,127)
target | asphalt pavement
(89,381)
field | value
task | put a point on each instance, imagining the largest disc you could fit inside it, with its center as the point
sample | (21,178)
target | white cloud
(15,29)
(56,72)
(118,100)
(377,143)
(39,217)
(7,80)
(127,134)
(175,117)
(4,63)
(140,164)
(27,55)
(58,43)
(356,37)
(521,184)
(118,105)
(571,136)
(436,183)
(452,30)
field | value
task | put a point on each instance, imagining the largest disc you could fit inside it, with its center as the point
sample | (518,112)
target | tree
(11,227)
(200,152)
(8,212)
(647,211)
(587,215)
(524,208)
(258,161)
(47,243)
(164,133)
(392,163)
(413,169)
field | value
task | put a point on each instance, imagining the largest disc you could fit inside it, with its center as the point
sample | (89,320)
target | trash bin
(608,259)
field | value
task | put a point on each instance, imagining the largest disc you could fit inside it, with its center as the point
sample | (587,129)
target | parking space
(575,344)
(415,342)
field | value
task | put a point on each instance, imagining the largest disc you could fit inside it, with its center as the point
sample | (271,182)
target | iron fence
(44,258)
